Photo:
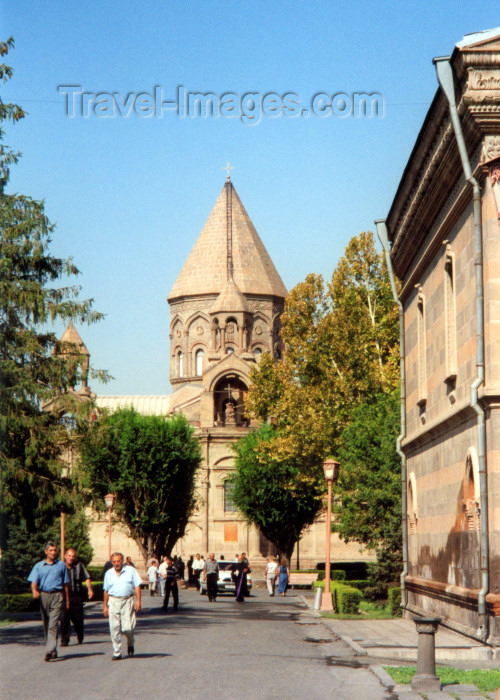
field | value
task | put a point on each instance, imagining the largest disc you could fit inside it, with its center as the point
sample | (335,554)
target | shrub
(378,592)
(394,601)
(95,572)
(348,599)
(335,575)
(97,588)
(20,602)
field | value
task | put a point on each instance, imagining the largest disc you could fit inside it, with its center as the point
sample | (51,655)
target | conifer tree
(34,367)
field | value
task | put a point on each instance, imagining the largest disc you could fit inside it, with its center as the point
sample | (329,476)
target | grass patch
(367,611)
(485,680)
(7,621)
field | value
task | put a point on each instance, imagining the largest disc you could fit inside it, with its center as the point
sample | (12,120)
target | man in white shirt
(121,583)
(271,568)
(198,566)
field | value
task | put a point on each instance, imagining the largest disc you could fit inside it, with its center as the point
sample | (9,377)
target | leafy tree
(150,464)
(341,348)
(35,367)
(273,493)
(369,486)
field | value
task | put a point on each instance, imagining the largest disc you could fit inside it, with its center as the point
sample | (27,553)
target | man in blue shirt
(121,583)
(49,584)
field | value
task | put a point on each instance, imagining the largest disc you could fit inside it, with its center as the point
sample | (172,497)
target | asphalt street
(264,648)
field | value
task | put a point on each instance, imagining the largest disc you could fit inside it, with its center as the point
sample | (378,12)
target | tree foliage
(150,464)
(369,486)
(272,492)
(34,366)
(341,347)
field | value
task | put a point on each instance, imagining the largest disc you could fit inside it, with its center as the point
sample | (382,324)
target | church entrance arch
(230,394)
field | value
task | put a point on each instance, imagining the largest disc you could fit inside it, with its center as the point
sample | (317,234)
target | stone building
(225,309)
(443,227)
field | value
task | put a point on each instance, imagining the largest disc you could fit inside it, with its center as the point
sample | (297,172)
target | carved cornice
(434,167)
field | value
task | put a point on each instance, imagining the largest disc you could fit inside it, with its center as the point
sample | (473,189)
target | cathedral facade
(225,309)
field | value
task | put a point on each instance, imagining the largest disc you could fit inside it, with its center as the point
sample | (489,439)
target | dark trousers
(171,586)
(196,577)
(212,585)
(73,615)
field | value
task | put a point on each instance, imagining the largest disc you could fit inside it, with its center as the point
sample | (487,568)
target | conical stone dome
(228,246)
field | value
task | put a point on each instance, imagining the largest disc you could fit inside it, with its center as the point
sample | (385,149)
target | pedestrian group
(58,585)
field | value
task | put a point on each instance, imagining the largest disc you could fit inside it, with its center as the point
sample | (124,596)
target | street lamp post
(330,468)
(63,533)
(109,499)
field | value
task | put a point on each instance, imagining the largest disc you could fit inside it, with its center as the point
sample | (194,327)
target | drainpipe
(445,79)
(384,239)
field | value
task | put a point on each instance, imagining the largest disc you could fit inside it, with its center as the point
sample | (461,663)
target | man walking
(170,585)
(120,584)
(49,584)
(212,575)
(271,568)
(77,574)
(198,566)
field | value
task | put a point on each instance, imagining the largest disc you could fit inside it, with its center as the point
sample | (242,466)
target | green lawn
(368,611)
(6,621)
(486,680)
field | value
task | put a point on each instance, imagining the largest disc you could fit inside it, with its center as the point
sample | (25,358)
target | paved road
(266,648)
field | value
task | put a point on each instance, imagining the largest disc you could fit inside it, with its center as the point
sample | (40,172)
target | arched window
(180,363)
(412,504)
(229,349)
(422,351)
(231,329)
(258,354)
(229,506)
(471,501)
(450,318)
(199,362)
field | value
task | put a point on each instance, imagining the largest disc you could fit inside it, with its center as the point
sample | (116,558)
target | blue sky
(130,195)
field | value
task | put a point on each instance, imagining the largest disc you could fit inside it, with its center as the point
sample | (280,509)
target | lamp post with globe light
(109,500)
(331,471)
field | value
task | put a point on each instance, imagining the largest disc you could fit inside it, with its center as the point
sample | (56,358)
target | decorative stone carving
(490,148)
(258,330)
(199,330)
(479,80)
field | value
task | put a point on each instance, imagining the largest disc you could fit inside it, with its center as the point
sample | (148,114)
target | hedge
(335,575)
(95,572)
(97,588)
(394,602)
(18,602)
(354,569)
(346,599)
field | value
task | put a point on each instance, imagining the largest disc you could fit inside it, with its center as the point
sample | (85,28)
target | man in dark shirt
(171,585)
(77,574)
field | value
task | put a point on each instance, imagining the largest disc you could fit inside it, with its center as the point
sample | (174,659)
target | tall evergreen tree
(34,367)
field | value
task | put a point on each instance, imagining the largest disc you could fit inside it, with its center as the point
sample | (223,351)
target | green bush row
(95,573)
(303,571)
(18,602)
(97,588)
(346,599)
(335,575)
(394,601)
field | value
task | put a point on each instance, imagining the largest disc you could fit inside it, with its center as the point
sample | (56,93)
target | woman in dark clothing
(239,573)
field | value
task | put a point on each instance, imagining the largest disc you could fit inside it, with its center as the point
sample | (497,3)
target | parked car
(225,583)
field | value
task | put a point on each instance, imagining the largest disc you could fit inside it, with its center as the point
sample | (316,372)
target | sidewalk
(398,639)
